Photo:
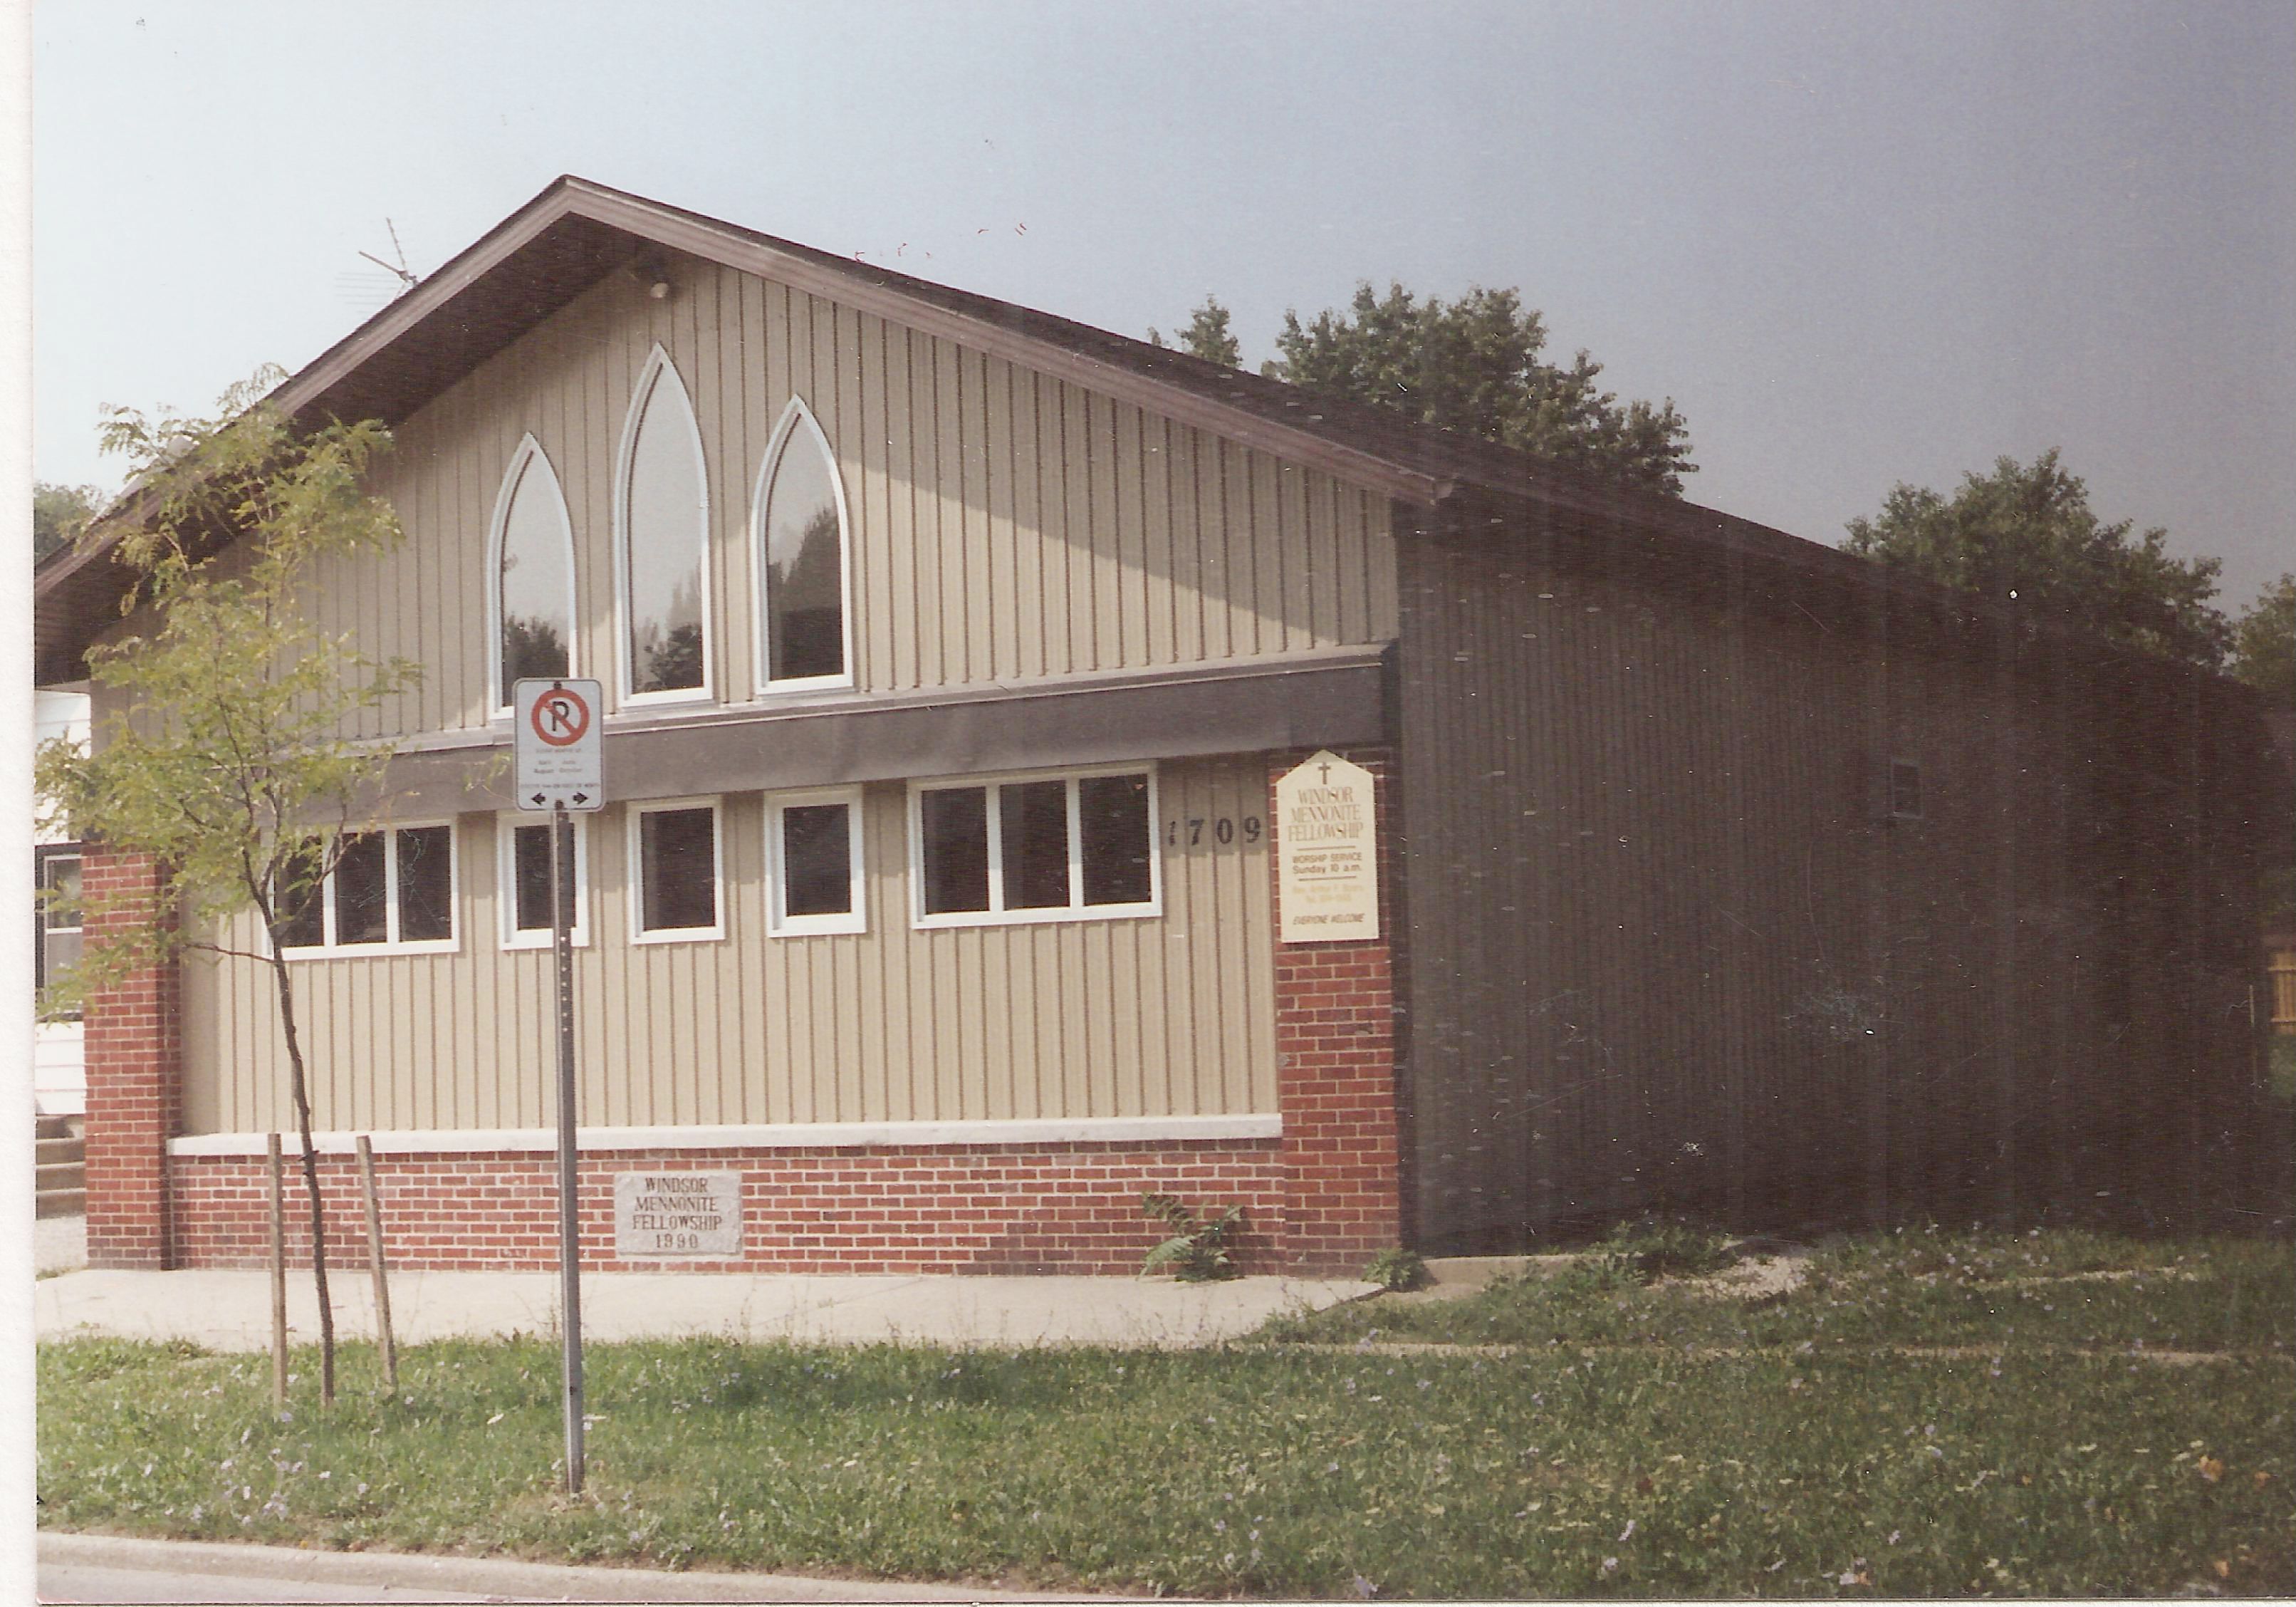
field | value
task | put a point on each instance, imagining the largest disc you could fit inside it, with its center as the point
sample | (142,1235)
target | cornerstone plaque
(1327,852)
(662,1215)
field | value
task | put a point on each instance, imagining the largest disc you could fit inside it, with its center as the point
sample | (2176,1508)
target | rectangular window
(55,924)
(1904,790)
(392,890)
(953,833)
(675,894)
(813,862)
(524,848)
(363,891)
(1034,848)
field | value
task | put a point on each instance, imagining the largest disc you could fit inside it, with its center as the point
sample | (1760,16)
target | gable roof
(576,232)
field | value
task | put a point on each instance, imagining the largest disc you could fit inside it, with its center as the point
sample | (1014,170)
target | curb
(497,1576)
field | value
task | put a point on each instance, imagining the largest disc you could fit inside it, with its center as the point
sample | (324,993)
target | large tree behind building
(2264,641)
(2024,535)
(1474,366)
(1207,336)
(58,513)
(226,760)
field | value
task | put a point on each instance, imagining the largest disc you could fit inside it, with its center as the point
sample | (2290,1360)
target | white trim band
(763,1136)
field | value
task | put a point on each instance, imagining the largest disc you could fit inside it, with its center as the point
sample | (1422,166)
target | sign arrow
(581,798)
(539,798)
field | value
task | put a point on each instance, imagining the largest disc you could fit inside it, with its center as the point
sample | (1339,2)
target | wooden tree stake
(278,1273)
(375,1260)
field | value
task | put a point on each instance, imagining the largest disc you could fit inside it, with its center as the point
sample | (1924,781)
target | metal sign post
(559,766)
(570,1222)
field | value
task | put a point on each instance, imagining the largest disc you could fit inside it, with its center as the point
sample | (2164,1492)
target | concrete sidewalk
(231,1310)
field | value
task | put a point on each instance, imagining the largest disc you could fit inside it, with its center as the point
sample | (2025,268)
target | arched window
(662,541)
(799,525)
(531,605)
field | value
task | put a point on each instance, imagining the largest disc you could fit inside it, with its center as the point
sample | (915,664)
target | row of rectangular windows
(1027,848)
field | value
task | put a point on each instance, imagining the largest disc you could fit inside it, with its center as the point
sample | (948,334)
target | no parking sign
(557,744)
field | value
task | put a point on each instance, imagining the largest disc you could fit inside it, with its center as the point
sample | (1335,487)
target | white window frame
(796,417)
(659,368)
(779,923)
(996,914)
(529,456)
(392,943)
(46,855)
(634,848)
(514,935)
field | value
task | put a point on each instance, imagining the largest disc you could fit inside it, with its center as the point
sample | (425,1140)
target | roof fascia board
(475,261)
(731,249)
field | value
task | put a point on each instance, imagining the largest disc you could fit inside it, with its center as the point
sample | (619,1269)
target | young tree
(231,768)
(2024,535)
(1474,366)
(1207,336)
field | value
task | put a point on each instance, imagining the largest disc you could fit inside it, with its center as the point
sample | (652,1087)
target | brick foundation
(1335,1052)
(134,1043)
(1023,1208)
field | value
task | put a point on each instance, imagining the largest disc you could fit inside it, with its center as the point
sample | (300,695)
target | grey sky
(1857,244)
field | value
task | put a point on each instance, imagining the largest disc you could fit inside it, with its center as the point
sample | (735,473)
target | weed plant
(1611,1459)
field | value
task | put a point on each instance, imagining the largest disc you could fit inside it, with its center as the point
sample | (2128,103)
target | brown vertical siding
(1666,953)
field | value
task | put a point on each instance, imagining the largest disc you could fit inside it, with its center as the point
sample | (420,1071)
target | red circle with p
(559,717)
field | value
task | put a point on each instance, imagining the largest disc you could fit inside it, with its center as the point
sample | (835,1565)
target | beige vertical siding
(1171,1015)
(1007,524)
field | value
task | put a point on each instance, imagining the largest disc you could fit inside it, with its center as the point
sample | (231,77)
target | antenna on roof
(407,278)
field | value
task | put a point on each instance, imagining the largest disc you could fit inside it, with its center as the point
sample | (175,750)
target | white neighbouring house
(59,1067)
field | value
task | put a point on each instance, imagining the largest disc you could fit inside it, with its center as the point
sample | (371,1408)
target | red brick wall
(1335,1051)
(133,1046)
(1027,1207)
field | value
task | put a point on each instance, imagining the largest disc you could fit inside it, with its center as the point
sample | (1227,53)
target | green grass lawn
(1615,1439)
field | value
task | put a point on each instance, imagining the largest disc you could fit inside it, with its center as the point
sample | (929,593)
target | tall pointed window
(661,519)
(532,604)
(799,525)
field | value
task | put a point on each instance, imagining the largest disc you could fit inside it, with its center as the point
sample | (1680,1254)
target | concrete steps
(60,1167)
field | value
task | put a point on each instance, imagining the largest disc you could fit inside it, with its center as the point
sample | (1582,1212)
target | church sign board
(1327,852)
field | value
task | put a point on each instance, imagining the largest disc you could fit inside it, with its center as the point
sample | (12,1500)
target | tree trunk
(299,1087)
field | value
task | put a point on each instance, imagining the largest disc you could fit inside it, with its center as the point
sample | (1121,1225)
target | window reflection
(805,557)
(536,575)
(664,540)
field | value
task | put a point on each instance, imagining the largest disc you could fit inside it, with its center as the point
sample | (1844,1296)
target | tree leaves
(2024,535)
(227,754)
(1474,366)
